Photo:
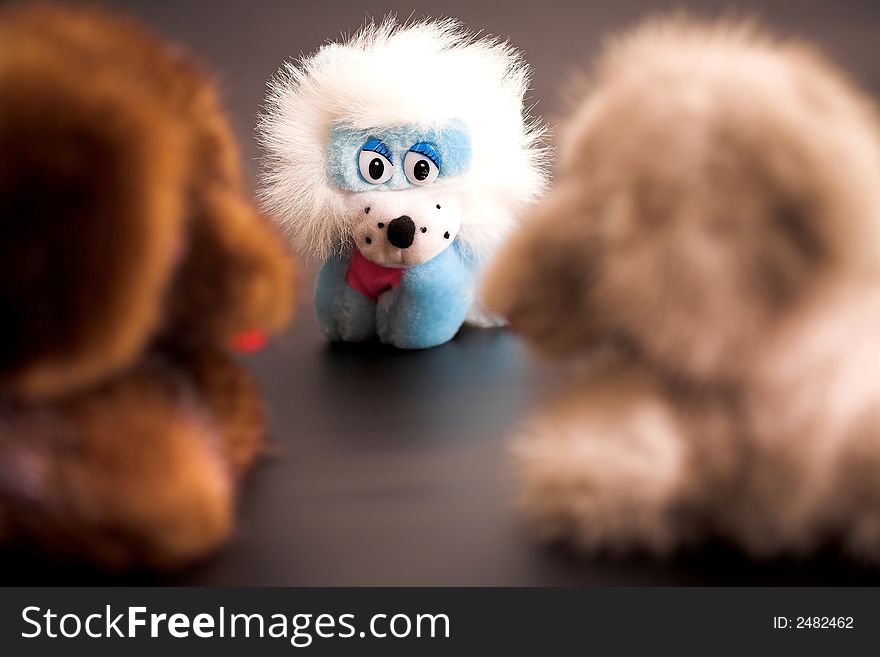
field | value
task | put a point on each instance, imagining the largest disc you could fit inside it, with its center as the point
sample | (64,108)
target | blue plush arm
(430,304)
(343,313)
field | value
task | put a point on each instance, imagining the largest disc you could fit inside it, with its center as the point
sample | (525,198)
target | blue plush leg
(343,313)
(429,305)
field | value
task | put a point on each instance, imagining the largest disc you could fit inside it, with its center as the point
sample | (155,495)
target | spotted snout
(400,229)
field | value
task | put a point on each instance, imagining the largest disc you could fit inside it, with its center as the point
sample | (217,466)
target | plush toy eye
(422,164)
(375,167)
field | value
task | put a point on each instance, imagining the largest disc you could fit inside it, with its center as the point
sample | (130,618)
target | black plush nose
(401,232)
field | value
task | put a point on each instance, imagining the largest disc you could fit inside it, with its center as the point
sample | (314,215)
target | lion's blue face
(394,158)
(400,211)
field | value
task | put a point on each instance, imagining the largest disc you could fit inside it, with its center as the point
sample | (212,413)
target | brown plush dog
(130,260)
(716,228)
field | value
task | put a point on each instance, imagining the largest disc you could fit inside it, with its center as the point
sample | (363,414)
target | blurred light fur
(715,233)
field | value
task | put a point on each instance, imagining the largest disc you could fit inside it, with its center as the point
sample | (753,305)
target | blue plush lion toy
(401,158)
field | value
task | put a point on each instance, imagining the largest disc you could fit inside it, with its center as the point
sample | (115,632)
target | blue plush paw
(343,313)
(430,304)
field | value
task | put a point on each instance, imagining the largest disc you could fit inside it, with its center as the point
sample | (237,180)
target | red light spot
(248,341)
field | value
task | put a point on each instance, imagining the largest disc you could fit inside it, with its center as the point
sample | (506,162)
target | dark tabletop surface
(391,468)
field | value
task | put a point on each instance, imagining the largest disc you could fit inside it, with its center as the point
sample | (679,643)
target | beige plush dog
(716,230)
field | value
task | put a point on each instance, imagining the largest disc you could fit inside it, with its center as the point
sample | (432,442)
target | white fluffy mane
(388,74)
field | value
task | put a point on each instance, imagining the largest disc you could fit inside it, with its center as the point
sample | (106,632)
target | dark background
(390,468)
(245,41)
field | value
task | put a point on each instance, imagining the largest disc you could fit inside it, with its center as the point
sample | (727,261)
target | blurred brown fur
(714,243)
(130,259)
